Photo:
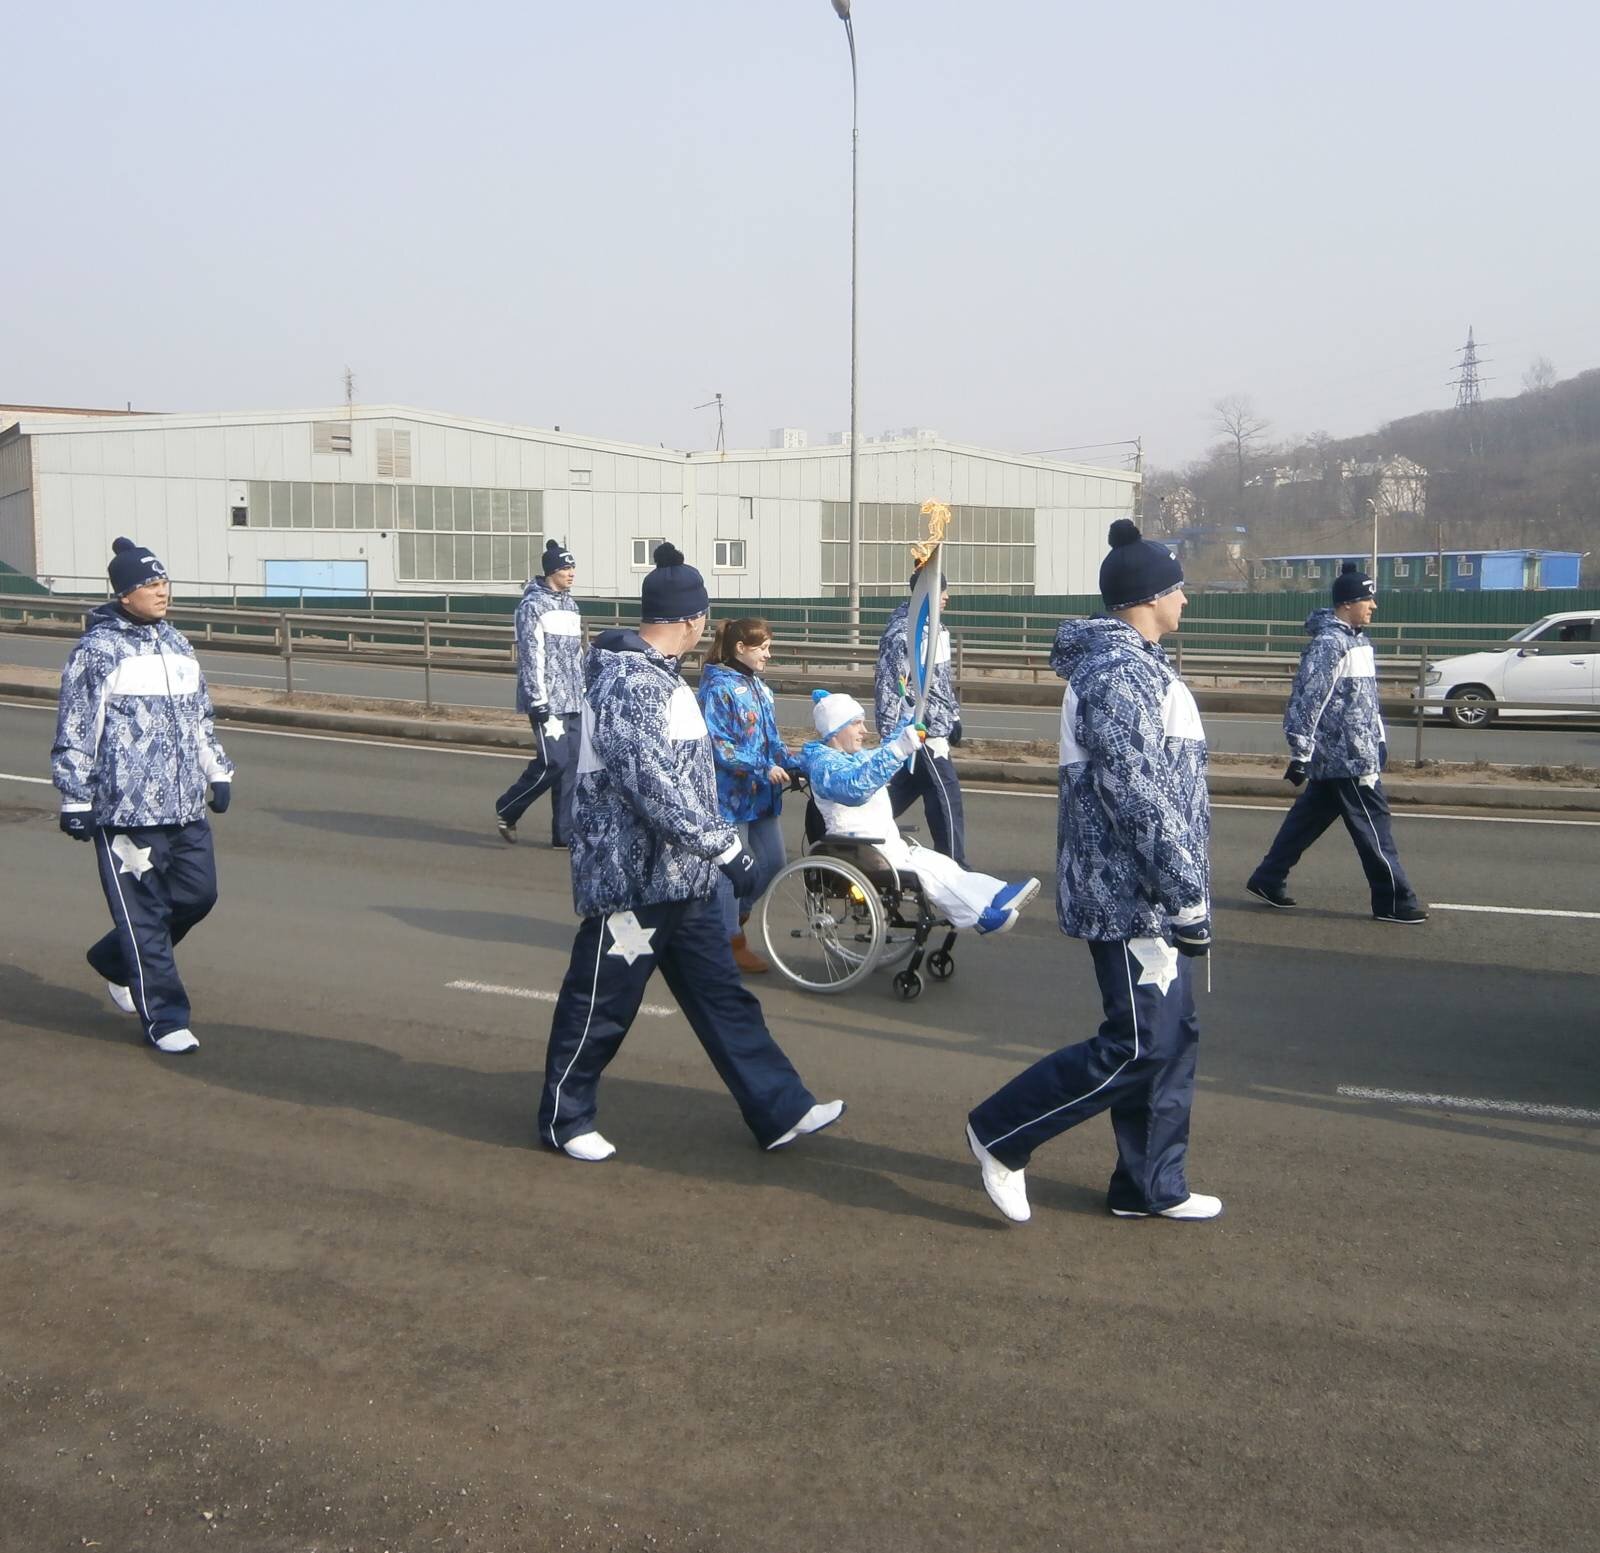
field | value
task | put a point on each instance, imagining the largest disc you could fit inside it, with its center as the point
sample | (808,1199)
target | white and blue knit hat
(832,710)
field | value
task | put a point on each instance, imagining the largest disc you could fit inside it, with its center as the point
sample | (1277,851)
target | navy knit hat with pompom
(673,591)
(557,557)
(1352,584)
(132,566)
(1137,571)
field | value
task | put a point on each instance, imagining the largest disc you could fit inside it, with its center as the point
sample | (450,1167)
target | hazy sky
(1078,223)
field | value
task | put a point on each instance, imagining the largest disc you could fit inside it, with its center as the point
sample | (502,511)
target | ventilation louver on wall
(394,455)
(330,437)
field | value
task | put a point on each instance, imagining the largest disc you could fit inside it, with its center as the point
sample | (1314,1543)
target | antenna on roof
(722,446)
(349,393)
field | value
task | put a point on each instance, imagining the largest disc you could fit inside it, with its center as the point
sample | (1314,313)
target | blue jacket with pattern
(134,738)
(549,650)
(944,711)
(646,828)
(745,742)
(1134,823)
(1333,721)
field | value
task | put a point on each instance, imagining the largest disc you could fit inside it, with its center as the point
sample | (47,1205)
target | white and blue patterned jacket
(944,711)
(134,736)
(549,650)
(1134,824)
(1333,721)
(646,826)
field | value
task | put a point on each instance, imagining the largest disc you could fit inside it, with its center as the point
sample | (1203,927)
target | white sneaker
(1006,1188)
(819,1116)
(121,997)
(588,1146)
(177,1041)
(1195,1206)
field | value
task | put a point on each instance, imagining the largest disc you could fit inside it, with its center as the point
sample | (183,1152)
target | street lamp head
(842,9)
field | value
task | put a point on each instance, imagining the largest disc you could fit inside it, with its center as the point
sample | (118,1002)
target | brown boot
(746,958)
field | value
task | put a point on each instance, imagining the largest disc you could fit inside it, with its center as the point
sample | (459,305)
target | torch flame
(938,516)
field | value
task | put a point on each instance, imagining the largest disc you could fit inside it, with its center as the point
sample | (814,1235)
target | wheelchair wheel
(822,924)
(909,985)
(941,965)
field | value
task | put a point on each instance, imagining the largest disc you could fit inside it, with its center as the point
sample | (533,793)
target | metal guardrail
(1242,665)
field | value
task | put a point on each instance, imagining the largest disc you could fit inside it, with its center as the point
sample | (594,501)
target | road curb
(1040,774)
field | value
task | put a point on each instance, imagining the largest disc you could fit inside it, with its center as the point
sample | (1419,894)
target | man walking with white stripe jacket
(1133,880)
(134,753)
(550,691)
(1338,746)
(648,841)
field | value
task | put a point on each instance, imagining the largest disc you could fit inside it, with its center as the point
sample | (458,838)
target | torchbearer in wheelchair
(850,787)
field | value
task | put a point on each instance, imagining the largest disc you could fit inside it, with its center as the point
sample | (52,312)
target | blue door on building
(315,579)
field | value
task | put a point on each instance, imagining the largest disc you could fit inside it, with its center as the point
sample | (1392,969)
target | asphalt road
(1229,733)
(317,1284)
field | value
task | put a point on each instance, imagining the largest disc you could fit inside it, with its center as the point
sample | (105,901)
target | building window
(1286,572)
(987,549)
(582,478)
(446,533)
(729,555)
(330,437)
(1430,567)
(394,454)
(747,508)
(1313,570)
(1402,568)
(1463,566)
(644,553)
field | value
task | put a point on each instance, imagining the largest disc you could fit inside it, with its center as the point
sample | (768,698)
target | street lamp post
(842,9)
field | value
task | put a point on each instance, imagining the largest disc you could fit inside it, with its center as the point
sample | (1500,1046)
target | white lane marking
(535,995)
(1516,911)
(1283,808)
(1555,1113)
(988,792)
(6,776)
(274,679)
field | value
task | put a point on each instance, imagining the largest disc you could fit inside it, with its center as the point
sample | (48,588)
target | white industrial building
(389,498)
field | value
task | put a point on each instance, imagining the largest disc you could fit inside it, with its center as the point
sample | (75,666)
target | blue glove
(1295,776)
(1193,939)
(741,872)
(78,823)
(221,796)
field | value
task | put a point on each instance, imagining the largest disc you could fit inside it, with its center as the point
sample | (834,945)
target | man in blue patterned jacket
(134,753)
(1133,880)
(933,778)
(550,691)
(1337,748)
(648,841)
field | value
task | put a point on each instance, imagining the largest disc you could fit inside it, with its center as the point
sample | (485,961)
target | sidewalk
(1237,776)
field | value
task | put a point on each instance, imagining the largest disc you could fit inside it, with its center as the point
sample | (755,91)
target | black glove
(799,782)
(955,734)
(540,715)
(78,823)
(1383,755)
(1193,939)
(741,872)
(221,796)
(1295,775)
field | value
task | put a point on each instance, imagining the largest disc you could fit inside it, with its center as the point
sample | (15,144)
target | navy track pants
(553,769)
(935,782)
(613,958)
(159,881)
(1140,1066)
(1365,812)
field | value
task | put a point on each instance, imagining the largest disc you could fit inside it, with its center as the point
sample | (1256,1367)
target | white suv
(1556,659)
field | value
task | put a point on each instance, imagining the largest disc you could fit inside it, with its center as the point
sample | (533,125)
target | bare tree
(1241,429)
(1541,374)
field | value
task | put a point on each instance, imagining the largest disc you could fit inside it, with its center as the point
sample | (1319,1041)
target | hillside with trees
(1515,472)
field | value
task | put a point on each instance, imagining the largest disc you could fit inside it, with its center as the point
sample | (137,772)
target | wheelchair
(842,911)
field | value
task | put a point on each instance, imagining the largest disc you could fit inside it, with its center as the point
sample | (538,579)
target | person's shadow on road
(683,1131)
